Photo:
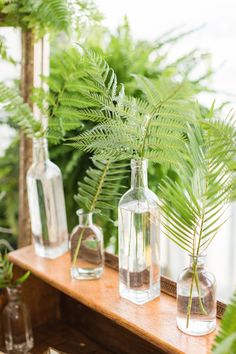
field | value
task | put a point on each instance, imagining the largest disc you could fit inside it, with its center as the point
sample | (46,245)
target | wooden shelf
(63,338)
(155,322)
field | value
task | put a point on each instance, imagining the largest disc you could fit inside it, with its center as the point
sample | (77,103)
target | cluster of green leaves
(4,51)
(225,341)
(152,128)
(6,274)
(12,103)
(68,109)
(45,16)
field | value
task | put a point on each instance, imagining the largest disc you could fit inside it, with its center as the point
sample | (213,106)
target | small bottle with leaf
(16,317)
(193,212)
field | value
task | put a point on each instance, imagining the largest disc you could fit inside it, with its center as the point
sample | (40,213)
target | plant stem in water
(77,248)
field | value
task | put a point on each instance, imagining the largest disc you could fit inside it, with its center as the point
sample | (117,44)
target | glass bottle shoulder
(205,277)
(139,196)
(46,168)
(91,229)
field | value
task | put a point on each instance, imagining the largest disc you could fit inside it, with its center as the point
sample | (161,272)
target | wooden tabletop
(155,321)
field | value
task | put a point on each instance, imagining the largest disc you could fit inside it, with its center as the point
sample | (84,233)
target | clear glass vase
(87,256)
(46,204)
(17,323)
(196,298)
(139,235)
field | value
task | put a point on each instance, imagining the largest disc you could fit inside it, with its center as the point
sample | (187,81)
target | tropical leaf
(225,341)
(194,205)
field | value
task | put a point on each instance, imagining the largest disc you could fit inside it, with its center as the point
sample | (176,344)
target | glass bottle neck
(198,261)
(40,150)
(84,218)
(139,174)
(14,294)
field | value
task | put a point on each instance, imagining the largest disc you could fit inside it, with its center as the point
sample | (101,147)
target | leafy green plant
(225,341)
(6,274)
(45,16)
(194,205)
(20,113)
(136,128)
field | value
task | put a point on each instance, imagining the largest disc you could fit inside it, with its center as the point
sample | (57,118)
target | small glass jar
(87,256)
(46,204)
(196,298)
(139,239)
(17,323)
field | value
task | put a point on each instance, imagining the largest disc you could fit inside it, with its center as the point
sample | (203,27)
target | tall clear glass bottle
(17,323)
(196,298)
(46,203)
(87,256)
(139,235)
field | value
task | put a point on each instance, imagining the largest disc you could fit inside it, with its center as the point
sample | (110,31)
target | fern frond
(19,111)
(100,189)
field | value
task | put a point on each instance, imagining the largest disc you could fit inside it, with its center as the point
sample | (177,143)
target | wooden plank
(27,74)
(64,338)
(155,321)
(103,330)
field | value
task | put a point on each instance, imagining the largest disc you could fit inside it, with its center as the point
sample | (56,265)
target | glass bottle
(17,323)
(46,204)
(196,298)
(87,256)
(139,239)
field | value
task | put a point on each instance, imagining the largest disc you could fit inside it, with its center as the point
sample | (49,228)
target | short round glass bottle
(196,298)
(87,256)
(17,323)
(46,203)
(139,239)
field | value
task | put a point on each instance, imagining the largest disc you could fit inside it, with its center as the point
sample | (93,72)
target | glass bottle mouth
(85,218)
(200,259)
(14,292)
(82,212)
(139,164)
(40,141)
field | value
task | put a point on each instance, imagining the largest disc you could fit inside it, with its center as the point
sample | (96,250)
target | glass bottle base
(24,347)
(86,274)
(140,297)
(51,252)
(196,327)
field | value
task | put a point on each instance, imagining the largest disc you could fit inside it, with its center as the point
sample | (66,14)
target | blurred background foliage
(127,56)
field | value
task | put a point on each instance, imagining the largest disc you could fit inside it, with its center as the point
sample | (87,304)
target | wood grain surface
(154,322)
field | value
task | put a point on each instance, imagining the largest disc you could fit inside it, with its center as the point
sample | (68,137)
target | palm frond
(193,206)
(225,341)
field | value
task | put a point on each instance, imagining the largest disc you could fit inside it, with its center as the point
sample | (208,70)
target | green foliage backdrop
(126,55)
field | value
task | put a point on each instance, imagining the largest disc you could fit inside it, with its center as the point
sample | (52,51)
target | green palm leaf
(225,341)
(194,205)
